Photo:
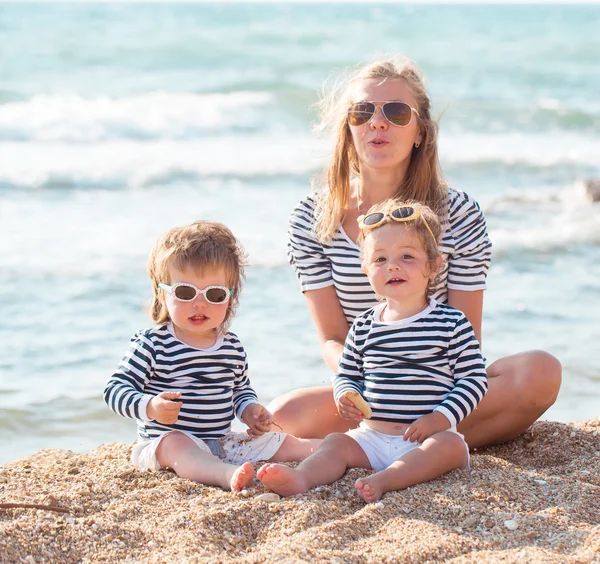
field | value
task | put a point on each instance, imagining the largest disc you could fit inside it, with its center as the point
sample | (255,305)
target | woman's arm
(471,304)
(331,324)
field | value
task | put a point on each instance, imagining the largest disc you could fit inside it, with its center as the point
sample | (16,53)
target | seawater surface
(119,121)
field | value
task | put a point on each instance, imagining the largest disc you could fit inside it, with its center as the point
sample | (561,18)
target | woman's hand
(160,408)
(348,410)
(258,419)
(426,426)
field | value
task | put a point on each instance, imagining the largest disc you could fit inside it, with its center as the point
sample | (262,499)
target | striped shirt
(213,382)
(465,248)
(406,369)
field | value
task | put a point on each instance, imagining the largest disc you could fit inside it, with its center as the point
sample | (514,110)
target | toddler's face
(195,321)
(397,264)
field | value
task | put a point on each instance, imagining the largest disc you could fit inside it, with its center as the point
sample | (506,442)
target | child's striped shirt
(409,368)
(214,382)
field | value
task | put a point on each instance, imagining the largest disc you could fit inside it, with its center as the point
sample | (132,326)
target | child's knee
(451,446)
(336,441)
(170,445)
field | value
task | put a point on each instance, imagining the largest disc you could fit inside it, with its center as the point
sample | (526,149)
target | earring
(417,145)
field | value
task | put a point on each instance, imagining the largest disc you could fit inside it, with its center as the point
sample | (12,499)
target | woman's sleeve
(469,262)
(305,253)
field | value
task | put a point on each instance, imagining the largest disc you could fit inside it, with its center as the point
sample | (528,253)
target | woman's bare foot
(242,477)
(283,480)
(368,489)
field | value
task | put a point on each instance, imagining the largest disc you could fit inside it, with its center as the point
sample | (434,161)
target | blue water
(118,121)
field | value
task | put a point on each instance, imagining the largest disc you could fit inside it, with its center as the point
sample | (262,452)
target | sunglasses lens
(373,218)
(216,295)
(360,113)
(404,212)
(398,113)
(186,293)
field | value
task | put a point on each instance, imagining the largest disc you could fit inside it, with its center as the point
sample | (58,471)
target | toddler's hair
(201,246)
(417,225)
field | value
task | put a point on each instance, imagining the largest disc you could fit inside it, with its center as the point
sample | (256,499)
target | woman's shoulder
(461,203)
(463,213)
(459,200)
(305,209)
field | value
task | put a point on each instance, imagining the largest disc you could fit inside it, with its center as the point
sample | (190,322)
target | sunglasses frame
(417,210)
(171,291)
(382,106)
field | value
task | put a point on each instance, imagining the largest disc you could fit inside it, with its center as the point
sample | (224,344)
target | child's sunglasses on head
(401,214)
(188,292)
(397,113)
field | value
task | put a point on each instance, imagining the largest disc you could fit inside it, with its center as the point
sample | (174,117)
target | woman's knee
(304,412)
(534,377)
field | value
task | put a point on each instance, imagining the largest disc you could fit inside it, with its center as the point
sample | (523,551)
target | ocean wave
(124,164)
(513,148)
(155,115)
(546,221)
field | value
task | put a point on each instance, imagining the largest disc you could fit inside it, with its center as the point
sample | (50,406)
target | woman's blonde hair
(201,246)
(423,181)
(418,226)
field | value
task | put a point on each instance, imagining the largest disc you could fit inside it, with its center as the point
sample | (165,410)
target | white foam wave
(542,149)
(127,163)
(166,115)
(547,221)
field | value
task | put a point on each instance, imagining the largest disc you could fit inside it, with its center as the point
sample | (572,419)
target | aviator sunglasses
(397,113)
(188,292)
(401,214)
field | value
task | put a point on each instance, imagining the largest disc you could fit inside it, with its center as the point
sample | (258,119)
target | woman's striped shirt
(409,368)
(214,382)
(465,247)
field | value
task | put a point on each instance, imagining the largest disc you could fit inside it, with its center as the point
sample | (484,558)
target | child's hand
(348,410)
(258,419)
(426,426)
(161,409)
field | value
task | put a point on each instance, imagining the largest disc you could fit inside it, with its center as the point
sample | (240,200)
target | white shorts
(382,450)
(233,448)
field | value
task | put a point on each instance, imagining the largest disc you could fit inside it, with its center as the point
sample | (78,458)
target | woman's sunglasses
(397,113)
(188,292)
(401,214)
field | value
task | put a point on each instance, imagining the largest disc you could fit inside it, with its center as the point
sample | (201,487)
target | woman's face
(380,144)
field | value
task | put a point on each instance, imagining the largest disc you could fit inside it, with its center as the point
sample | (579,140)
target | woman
(386,146)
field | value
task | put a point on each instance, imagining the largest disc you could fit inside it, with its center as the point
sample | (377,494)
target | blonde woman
(386,147)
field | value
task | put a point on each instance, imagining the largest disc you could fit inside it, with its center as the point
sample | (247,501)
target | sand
(536,499)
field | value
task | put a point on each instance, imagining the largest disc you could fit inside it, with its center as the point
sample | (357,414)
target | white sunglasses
(188,292)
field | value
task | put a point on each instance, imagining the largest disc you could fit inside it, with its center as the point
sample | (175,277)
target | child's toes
(242,477)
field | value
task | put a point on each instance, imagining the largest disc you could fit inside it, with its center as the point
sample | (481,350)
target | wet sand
(536,499)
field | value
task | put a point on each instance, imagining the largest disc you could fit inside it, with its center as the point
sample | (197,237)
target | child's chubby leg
(337,453)
(294,449)
(438,454)
(179,452)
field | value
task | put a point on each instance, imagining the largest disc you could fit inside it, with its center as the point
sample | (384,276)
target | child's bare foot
(242,477)
(369,489)
(283,480)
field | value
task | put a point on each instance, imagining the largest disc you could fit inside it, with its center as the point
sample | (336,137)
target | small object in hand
(359,403)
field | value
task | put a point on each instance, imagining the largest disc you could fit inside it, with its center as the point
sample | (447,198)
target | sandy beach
(536,499)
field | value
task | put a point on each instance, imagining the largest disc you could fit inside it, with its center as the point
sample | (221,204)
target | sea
(121,120)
